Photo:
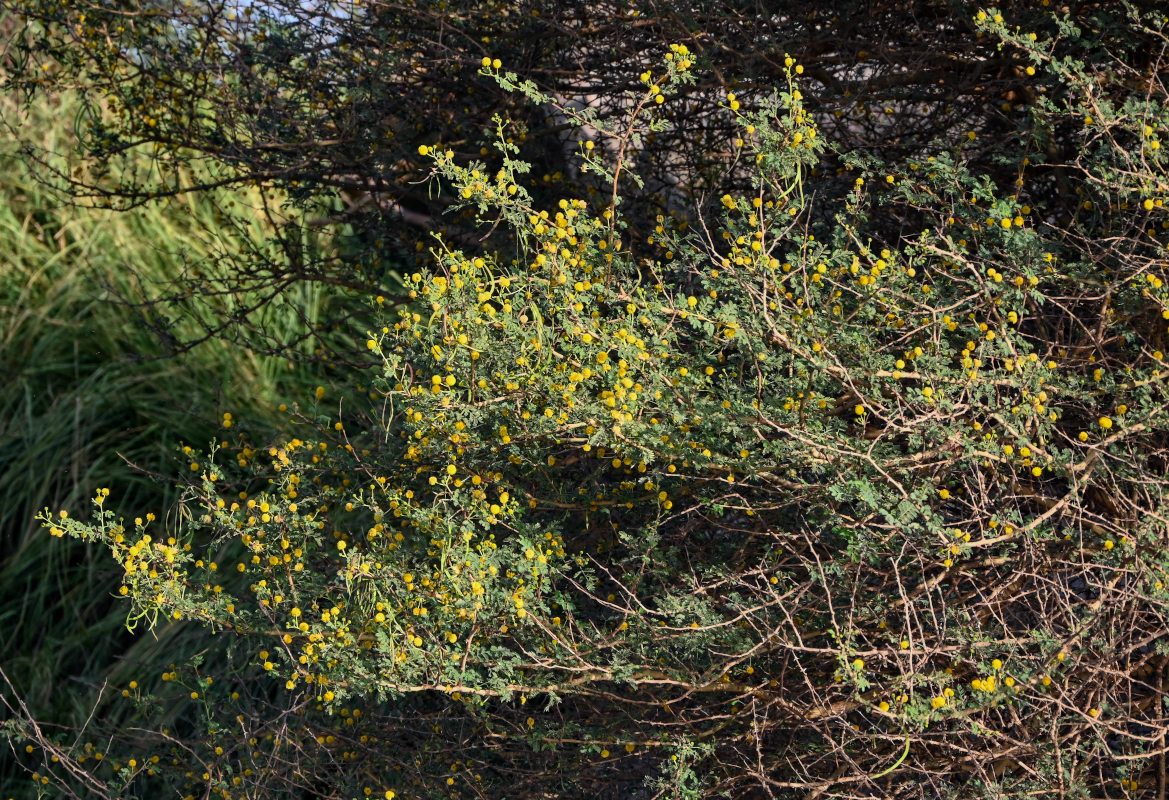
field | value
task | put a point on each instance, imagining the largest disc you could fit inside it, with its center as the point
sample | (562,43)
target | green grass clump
(90,401)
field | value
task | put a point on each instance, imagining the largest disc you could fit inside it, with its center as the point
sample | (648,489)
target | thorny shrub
(768,505)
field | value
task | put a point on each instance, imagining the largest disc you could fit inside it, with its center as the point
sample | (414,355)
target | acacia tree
(325,105)
(851,483)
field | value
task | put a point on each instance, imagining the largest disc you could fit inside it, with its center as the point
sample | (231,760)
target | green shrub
(850,484)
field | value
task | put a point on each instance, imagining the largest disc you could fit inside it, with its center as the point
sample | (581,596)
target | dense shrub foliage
(325,105)
(845,481)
